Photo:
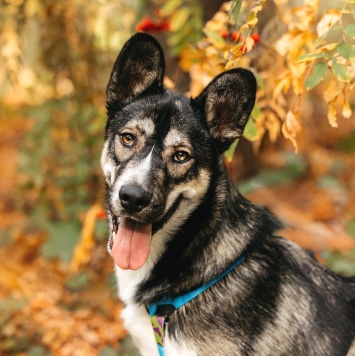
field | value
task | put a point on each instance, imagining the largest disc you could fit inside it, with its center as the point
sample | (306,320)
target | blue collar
(161,310)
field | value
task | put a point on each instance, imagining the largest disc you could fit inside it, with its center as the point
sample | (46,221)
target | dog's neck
(216,233)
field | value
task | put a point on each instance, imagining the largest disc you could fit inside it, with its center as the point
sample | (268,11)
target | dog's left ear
(227,103)
(138,67)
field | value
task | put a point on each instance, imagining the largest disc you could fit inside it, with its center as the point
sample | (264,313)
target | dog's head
(160,147)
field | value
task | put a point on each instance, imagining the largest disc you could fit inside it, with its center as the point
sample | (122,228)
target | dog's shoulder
(300,266)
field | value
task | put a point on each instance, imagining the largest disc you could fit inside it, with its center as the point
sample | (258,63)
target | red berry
(235,36)
(165,25)
(146,24)
(224,34)
(255,37)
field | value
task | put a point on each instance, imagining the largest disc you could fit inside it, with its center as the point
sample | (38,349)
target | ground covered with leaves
(49,306)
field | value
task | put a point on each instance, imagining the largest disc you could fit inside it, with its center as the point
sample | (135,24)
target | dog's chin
(129,243)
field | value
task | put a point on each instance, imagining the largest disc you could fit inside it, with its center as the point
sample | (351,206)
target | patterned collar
(160,311)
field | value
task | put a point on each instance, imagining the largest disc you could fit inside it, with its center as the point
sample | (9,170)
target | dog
(199,268)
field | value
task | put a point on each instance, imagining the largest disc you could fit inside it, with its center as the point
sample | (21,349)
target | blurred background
(297,156)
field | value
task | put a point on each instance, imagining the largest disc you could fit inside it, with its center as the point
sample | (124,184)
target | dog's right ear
(138,67)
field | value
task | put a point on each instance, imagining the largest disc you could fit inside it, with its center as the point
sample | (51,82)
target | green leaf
(310,57)
(347,143)
(77,281)
(349,30)
(5,237)
(329,182)
(11,305)
(179,18)
(318,74)
(250,131)
(350,228)
(178,36)
(38,351)
(14,345)
(229,154)
(346,50)
(108,351)
(259,81)
(340,72)
(127,347)
(177,49)
(255,113)
(234,10)
(111,283)
(215,37)
(63,237)
(321,39)
(100,230)
(294,168)
(340,262)
(170,6)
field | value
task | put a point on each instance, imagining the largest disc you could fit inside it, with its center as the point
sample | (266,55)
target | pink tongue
(131,244)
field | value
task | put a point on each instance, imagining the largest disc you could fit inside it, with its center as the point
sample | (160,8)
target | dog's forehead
(168,116)
(176,137)
(145,125)
(176,111)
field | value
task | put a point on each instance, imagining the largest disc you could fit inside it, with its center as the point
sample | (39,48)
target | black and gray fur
(280,300)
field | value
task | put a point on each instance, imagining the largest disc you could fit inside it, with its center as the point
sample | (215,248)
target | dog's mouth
(130,242)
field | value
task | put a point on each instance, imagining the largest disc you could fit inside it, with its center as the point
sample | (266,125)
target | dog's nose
(134,198)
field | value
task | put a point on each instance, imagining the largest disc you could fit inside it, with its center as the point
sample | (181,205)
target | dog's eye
(127,139)
(181,157)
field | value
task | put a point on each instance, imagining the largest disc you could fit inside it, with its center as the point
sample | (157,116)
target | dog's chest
(128,282)
(137,322)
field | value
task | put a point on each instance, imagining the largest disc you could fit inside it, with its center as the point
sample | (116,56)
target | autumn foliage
(57,292)
(300,47)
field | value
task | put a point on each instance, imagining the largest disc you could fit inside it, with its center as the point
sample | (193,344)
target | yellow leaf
(291,43)
(10,47)
(218,23)
(327,21)
(280,3)
(83,248)
(328,47)
(291,128)
(332,90)
(252,23)
(257,8)
(280,111)
(272,124)
(64,86)
(249,44)
(332,113)
(168,83)
(32,7)
(312,3)
(283,84)
(346,109)
(26,77)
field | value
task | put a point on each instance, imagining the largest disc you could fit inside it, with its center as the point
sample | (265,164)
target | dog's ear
(227,103)
(138,67)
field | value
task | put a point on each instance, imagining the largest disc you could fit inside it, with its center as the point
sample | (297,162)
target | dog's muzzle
(134,198)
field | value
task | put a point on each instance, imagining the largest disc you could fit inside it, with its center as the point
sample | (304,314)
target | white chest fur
(137,322)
